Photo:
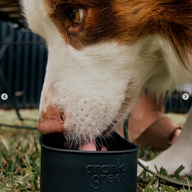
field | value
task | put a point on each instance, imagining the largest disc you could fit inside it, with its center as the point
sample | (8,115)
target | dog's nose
(51,121)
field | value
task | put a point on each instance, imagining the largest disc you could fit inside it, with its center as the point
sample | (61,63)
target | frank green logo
(99,174)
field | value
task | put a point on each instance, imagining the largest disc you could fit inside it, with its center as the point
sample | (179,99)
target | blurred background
(23,58)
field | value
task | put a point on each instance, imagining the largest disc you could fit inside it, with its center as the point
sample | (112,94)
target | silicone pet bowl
(64,170)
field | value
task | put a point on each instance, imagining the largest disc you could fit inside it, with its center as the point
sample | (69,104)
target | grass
(19,153)
(20,157)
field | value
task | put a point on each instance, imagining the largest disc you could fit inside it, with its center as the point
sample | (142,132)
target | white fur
(91,86)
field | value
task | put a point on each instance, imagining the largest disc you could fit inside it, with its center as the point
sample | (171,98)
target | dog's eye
(75,16)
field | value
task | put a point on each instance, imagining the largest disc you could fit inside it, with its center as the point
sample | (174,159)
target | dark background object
(177,104)
(23,64)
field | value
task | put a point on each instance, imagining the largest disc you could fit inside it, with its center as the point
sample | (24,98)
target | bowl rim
(135,149)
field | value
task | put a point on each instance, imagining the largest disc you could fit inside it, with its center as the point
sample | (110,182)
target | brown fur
(126,21)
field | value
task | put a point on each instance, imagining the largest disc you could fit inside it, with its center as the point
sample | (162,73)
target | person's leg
(148,126)
(142,116)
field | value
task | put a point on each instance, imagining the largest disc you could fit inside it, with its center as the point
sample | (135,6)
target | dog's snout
(51,121)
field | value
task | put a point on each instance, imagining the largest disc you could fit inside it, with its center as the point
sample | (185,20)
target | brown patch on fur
(126,21)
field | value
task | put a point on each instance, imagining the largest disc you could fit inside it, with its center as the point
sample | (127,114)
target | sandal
(160,135)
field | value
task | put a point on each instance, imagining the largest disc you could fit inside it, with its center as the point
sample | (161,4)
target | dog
(101,55)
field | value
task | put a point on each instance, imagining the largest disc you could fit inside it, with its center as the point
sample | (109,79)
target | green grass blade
(168,189)
(11,166)
(5,190)
(178,171)
(27,163)
(36,149)
(32,177)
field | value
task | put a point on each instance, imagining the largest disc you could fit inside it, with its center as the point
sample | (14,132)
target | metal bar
(41,71)
(18,63)
(9,63)
(19,127)
(2,37)
(4,47)
(25,69)
(33,71)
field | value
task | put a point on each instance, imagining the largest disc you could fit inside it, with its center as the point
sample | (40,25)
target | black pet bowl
(64,170)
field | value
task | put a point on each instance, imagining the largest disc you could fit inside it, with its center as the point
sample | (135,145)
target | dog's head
(102,54)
